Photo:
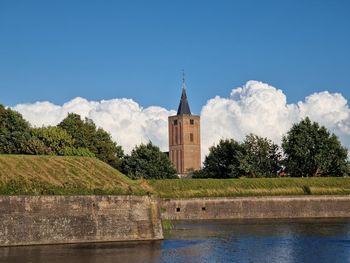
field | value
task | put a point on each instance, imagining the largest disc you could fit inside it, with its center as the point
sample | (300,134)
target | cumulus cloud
(259,108)
(255,107)
(127,122)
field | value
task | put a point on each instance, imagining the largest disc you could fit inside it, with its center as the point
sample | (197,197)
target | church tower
(184,137)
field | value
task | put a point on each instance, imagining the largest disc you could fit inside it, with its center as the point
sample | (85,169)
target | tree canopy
(72,137)
(55,139)
(311,150)
(148,162)
(254,157)
(96,140)
(14,132)
(261,157)
(223,160)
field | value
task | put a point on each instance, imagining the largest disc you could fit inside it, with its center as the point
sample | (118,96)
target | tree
(14,132)
(311,150)
(36,146)
(55,139)
(223,160)
(148,162)
(98,141)
(81,131)
(261,157)
(107,150)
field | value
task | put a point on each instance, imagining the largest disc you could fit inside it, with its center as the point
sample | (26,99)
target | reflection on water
(280,241)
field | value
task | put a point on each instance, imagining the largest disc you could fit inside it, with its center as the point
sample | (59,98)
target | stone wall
(28,220)
(256,207)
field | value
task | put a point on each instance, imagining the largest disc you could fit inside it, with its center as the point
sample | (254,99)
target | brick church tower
(184,137)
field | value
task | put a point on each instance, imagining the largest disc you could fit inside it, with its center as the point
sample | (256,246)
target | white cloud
(262,109)
(255,107)
(127,122)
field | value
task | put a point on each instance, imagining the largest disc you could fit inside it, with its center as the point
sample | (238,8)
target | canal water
(247,241)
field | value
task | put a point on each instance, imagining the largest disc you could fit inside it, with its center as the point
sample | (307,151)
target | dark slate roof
(184,108)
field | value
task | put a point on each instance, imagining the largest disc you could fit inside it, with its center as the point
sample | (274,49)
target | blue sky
(58,50)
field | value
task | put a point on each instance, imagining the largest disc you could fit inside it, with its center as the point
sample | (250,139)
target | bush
(54,140)
(71,151)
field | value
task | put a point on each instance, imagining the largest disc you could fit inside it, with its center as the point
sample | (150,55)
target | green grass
(35,175)
(190,188)
(57,175)
(167,225)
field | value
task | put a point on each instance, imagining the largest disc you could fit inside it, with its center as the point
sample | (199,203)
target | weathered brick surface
(184,153)
(256,207)
(26,220)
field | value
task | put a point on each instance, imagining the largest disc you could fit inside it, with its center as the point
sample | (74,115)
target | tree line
(307,149)
(75,136)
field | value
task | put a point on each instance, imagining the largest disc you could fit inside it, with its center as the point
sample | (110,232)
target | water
(282,241)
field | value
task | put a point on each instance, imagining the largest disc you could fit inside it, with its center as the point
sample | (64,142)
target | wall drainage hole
(203,208)
(178,209)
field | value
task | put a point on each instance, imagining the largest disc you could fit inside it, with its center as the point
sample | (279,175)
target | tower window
(175,122)
(191,137)
(191,122)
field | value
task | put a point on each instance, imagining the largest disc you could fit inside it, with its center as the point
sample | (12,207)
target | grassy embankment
(79,175)
(250,187)
(21,174)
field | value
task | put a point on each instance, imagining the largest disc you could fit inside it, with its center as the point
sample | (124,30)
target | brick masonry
(185,142)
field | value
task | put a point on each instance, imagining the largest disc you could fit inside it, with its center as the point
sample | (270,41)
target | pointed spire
(184,108)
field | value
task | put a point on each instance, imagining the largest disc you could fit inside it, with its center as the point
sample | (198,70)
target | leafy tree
(14,132)
(82,131)
(106,149)
(36,146)
(148,162)
(223,160)
(312,151)
(98,141)
(261,157)
(55,139)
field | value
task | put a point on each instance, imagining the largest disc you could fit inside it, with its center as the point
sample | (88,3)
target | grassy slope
(250,187)
(21,174)
(62,175)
